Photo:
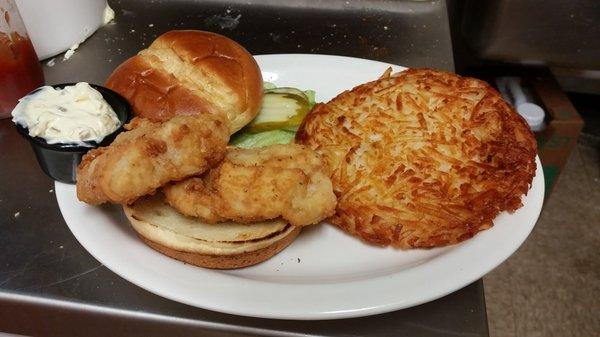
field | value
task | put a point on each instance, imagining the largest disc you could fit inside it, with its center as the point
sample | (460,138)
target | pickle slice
(288,90)
(280,110)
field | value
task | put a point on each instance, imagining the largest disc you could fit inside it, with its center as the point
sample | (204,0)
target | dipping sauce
(73,115)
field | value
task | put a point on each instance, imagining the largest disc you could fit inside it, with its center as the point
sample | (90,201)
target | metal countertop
(49,284)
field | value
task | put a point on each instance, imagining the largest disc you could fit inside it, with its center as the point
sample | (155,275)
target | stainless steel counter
(49,284)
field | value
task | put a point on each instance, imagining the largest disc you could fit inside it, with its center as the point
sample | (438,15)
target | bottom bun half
(226,245)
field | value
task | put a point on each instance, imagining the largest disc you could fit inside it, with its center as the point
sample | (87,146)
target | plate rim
(457,284)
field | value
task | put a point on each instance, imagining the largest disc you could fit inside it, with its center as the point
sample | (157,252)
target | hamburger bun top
(190,71)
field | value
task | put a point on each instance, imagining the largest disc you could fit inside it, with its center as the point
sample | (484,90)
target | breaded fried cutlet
(421,158)
(149,155)
(288,181)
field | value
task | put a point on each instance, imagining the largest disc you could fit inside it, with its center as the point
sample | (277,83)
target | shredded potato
(422,158)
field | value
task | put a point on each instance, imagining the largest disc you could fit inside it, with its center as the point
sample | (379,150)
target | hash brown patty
(421,158)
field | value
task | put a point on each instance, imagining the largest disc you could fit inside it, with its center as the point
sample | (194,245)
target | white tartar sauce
(71,115)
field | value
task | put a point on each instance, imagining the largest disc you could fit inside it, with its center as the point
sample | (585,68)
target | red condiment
(20,71)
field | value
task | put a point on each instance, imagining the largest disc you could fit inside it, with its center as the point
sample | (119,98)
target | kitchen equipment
(553,32)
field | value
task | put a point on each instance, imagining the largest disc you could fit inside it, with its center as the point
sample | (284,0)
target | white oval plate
(325,273)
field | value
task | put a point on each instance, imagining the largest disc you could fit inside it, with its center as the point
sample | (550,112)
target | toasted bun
(219,246)
(423,158)
(188,72)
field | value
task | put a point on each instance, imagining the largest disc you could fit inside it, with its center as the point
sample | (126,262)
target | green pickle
(281,114)
(280,110)
(287,90)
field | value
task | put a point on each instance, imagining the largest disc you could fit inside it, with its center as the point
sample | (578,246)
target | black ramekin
(59,161)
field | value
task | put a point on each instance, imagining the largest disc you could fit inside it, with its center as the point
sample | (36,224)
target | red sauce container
(20,71)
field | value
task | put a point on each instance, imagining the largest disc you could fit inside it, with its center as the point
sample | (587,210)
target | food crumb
(50,190)
(17,214)
(151,25)
(70,52)
(133,30)
(61,247)
(385,28)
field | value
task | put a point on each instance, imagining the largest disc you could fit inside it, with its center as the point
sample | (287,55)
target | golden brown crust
(149,155)
(225,261)
(288,181)
(187,72)
(422,158)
